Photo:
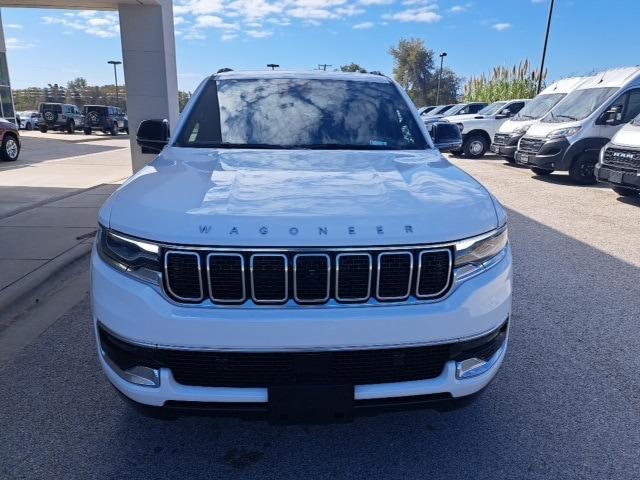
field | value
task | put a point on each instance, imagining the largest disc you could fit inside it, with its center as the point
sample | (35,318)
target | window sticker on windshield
(378,143)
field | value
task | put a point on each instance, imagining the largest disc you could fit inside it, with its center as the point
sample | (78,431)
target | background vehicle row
(68,118)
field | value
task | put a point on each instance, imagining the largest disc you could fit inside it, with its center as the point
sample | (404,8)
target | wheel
(114,129)
(87,130)
(43,129)
(10,149)
(510,159)
(71,127)
(582,170)
(626,192)
(29,126)
(126,130)
(475,146)
(541,171)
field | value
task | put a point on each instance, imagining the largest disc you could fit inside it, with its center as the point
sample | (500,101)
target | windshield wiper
(342,146)
(566,116)
(237,145)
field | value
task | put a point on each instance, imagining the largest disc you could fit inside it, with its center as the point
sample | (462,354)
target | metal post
(442,55)
(115,63)
(544,50)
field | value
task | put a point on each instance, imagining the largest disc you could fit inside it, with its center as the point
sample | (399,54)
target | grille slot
(353,277)
(434,273)
(530,145)
(269,278)
(183,278)
(225,272)
(311,277)
(622,158)
(394,275)
(501,138)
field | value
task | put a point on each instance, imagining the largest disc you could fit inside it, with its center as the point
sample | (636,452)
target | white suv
(301,249)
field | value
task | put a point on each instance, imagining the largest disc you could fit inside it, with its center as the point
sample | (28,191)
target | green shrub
(504,84)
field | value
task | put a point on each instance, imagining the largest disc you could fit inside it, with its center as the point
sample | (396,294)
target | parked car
(302,268)
(571,135)
(505,141)
(105,118)
(9,141)
(59,117)
(439,110)
(461,109)
(425,110)
(619,163)
(28,120)
(478,129)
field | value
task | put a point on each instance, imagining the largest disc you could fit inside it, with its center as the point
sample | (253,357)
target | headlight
(478,250)
(460,126)
(137,258)
(520,131)
(563,132)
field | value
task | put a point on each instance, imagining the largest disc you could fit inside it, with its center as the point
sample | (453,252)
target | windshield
(636,121)
(456,109)
(492,108)
(579,104)
(301,113)
(539,106)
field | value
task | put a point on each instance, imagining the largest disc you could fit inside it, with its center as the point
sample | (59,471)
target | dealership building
(148,55)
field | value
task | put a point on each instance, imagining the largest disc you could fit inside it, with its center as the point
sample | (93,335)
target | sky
(54,46)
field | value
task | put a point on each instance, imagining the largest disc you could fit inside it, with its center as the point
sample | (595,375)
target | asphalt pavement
(565,405)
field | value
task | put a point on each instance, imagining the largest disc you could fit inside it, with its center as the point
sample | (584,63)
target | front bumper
(618,177)
(138,313)
(551,156)
(507,149)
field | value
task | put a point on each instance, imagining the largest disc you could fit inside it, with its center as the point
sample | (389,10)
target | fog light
(140,375)
(472,367)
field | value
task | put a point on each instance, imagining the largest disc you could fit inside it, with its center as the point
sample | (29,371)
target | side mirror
(153,135)
(446,136)
(613,116)
(506,113)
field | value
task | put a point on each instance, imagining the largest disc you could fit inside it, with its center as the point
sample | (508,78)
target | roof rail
(225,69)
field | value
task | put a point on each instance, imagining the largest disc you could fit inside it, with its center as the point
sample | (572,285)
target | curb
(30,282)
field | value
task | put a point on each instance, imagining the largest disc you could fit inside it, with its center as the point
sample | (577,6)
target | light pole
(442,55)
(273,66)
(115,63)
(323,66)
(544,50)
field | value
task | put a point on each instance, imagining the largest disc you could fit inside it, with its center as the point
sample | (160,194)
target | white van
(478,129)
(619,163)
(571,135)
(505,142)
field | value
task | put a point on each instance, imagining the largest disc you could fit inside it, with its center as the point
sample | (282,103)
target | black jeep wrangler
(59,116)
(104,118)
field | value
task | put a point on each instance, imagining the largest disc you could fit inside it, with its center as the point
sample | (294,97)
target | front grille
(530,145)
(208,368)
(307,276)
(622,158)
(501,138)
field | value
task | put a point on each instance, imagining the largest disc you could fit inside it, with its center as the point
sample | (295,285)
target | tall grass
(504,84)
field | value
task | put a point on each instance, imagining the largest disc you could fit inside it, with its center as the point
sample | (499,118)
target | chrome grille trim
(449,275)
(355,254)
(379,269)
(242,272)
(168,283)
(286,277)
(295,280)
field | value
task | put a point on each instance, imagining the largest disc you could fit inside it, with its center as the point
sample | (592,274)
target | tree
(353,67)
(415,70)
(504,84)
(183,99)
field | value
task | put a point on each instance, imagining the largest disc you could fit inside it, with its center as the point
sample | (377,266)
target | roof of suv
(312,74)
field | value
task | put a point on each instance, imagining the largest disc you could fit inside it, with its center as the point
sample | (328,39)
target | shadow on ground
(565,404)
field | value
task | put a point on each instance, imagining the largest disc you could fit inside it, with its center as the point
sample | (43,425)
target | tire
(71,127)
(126,130)
(87,131)
(541,171)
(114,129)
(29,126)
(626,192)
(43,129)
(475,146)
(10,149)
(510,159)
(582,170)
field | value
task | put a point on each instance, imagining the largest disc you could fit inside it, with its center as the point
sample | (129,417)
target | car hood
(542,129)
(627,136)
(300,198)
(465,118)
(512,125)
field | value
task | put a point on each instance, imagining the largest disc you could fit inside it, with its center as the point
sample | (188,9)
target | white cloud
(227,37)
(364,25)
(102,25)
(13,43)
(423,15)
(15,26)
(375,2)
(501,27)
(259,33)
(460,8)
(213,21)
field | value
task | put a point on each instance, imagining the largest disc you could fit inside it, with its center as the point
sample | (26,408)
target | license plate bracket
(495,148)
(615,176)
(311,403)
(521,158)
